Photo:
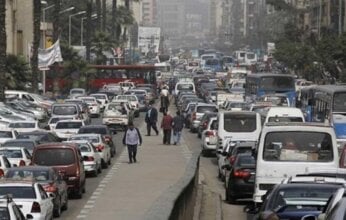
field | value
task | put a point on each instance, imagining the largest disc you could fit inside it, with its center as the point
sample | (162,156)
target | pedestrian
(166,125)
(178,125)
(164,99)
(151,119)
(132,138)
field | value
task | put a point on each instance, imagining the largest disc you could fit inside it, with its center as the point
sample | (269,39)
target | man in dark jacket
(151,119)
(178,125)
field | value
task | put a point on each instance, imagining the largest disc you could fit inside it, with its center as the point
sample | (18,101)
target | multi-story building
(19,26)
(148,13)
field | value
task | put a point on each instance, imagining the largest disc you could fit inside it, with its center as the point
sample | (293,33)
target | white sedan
(24,126)
(94,105)
(17,156)
(65,128)
(7,134)
(30,197)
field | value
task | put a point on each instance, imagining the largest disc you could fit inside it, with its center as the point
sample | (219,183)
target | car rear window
(11,153)
(55,120)
(92,139)
(37,175)
(239,123)
(27,144)
(21,125)
(185,86)
(19,192)
(92,131)
(246,160)
(65,110)
(84,148)
(54,157)
(203,109)
(6,134)
(69,125)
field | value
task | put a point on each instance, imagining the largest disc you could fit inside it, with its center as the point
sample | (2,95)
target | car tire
(79,193)
(99,169)
(57,211)
(65,206)
(95,173)
(199,135)
(104,165)
(109,161)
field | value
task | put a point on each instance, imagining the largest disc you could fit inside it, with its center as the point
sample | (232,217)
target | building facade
(19,26)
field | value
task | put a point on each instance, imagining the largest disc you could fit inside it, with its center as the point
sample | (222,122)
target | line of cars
(265,150)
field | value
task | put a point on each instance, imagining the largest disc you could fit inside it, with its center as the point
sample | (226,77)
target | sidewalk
(129,190)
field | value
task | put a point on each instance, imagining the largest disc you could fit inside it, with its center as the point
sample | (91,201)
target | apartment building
(19,26)
(148,13)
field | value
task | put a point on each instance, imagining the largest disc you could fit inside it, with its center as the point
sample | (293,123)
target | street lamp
(82,27)
(69,25)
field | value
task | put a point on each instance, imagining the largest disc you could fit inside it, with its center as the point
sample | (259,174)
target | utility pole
(340,17)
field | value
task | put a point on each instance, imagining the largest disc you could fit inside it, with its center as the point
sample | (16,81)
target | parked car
(22,126)
(104,131)
(91,157)
(209,137)
(240,177)
(101,146)
(65,128)
(67,159)
(30,197)
(198,112)
(18,156)
(7,134)
(49,179)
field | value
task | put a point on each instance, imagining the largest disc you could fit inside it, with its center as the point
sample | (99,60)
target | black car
(50,180)
(104,130)
(295,200)
(240,178)
(40,137)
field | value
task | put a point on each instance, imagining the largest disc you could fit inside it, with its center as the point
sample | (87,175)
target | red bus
(100,75)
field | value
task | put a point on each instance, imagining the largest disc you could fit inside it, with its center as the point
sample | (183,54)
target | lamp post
(82,27)
(69,25)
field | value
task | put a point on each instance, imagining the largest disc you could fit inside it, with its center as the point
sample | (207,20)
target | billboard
(149,39)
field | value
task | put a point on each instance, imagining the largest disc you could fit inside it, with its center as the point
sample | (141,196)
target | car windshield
(18,192)
(185,87)
(11,153)
(246,160)
(84,147)
(27,144)
(37,175)
(92,139)
(77,91)
(285,119)
(298,146)
(6,134)
(54,157)
(301,197)
(203,109)
(212,62)
(95,130)
(65,110)
(55,120)
(22,125)
(114,107)
(69,125)
(277,82)
(240,123)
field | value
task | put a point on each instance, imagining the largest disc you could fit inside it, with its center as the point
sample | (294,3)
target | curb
(198,205)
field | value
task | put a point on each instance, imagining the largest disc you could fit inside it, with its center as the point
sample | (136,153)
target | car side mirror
(309,217)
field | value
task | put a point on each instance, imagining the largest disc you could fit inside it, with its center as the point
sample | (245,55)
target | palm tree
(3,47)
(113,24)
(104,15)
(99,15)
(35,44)
(88,29)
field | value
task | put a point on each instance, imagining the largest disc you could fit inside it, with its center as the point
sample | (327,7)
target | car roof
(85,135)
(20,140)
(95,126)
(31,168)
(55,145)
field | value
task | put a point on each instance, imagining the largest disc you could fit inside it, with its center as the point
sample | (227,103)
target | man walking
(178,125)
(132,138)
(151,119)
(166,125)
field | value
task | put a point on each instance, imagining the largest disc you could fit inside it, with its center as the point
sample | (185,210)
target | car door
(45,202)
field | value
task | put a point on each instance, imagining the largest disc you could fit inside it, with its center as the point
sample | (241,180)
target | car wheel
(83,190)
(104,165)
(99,169)
(79,193)
(65,206)
(226,195)
(109,161)
(199,135)
(95,173)
(57,210)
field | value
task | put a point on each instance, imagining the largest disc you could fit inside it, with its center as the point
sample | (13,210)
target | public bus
(107,74)
(326,103)
(260,84)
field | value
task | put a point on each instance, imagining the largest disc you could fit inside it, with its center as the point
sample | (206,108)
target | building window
(19,42)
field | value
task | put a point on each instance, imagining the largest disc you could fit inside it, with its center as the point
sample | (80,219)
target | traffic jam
(278,140)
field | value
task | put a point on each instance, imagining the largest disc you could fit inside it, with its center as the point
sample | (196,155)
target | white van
(184,85)
(288,149)
(284,114)
(238,125)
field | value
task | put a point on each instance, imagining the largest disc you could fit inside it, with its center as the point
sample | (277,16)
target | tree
(88,29)
(17,72)
(104,15)
(56,20)
(3,48)
(35,44)
(101,43)
(99,15)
